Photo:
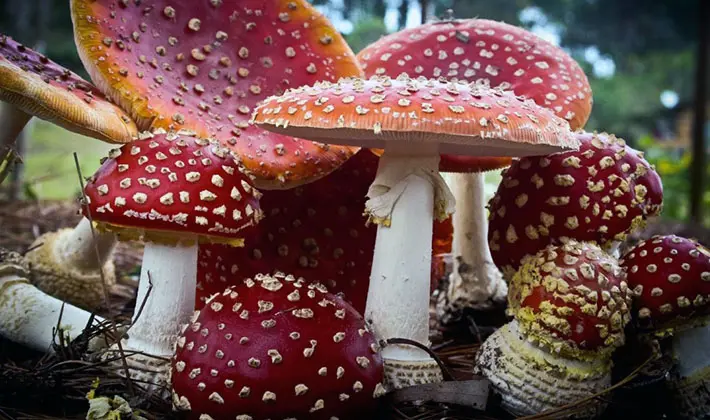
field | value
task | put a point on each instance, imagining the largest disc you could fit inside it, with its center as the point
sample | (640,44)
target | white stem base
(475,280)
(81,246)
(172,270)
(28,315)
(691,349)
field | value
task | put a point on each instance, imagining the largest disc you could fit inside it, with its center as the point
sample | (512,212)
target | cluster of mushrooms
(290,198)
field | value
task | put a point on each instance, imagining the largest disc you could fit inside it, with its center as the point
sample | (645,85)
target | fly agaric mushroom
(33,85)
(64,263)
(202,65)
(315,231)
(414,121)
(570,303)
(276,347)
(600,193)
(28,316)
(670,276)
(504,56)
(171,190)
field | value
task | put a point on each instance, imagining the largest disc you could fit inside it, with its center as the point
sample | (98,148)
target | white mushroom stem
(406,191)
(12,122)
(691,350)
(167,293)
(474,272)
(79,247)
(28,315)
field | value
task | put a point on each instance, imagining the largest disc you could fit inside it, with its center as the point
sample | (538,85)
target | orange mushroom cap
(40,87)
(202,65)
(461,118)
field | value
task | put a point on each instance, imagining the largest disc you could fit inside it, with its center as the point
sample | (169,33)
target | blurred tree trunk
(425,10)
(698,169)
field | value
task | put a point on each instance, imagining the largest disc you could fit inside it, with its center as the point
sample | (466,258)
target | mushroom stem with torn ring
(67,264)
(414,120)
(403,199)
(475,280)
(29,316)
(170,190)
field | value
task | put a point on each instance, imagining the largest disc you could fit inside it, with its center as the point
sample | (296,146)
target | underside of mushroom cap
(500,54)
(531,380)
(572,299)
(600,193)
(42,88)
(171,188)
(67,282)
(460,118)
(276,347)
(202,65)
(670,277)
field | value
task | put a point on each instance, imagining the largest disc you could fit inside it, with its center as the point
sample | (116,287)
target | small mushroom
(203,65)
(599,193)
(570,304)
(501,55)
(415,121)
(276,347)
(170,190)
(670,276)
(28,316)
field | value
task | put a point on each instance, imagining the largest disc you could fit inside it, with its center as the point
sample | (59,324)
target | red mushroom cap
(504,55)
(572,298)
(40,87)
(670,277)
(316,231)
(203,65)
(600,193)
(276,347)
(170,185)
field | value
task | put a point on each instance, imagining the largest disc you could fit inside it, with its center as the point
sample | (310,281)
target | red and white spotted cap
(670,276)
(500,54)
(172,187)
(600,193)
(204,64)
(276,347)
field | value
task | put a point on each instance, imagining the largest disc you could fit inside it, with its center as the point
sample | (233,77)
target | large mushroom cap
(461,118)
(572,298)
(276,347)
(168,186)
(600,193)
(316,231)
(670,276)
(203,64)
(500,54)
(43,88)
(504,55)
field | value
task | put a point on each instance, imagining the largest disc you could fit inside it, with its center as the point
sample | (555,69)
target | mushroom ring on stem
(276,347)
(505,56)
(571,304)
(203,65)
(414,120)
(599,193)
(170,190)
(670,276)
